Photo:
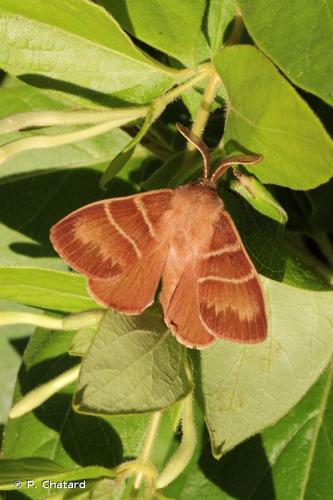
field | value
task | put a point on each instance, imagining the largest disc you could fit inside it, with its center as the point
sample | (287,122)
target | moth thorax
(207,190)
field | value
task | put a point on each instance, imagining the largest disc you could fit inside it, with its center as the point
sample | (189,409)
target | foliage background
(274,59)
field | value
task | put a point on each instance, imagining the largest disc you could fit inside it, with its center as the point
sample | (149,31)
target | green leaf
(102,489)
(121,159)
(247,388)
(220,14)
(268,117)
(134,365)
(92,47)
(45,288)
(54,431)
(298,37)
(12,340)
(81,341)
(259,197)
(170,26)
(174,171)
(91,151)
(299,445)
(40,469)
(261,467)
(116,165)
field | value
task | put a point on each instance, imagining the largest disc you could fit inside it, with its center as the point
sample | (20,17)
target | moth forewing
(125,246)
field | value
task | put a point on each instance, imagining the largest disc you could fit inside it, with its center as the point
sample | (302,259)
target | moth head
(212,180)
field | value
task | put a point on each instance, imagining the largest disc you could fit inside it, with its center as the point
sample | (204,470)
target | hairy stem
(37,396)
(170,96)
(185,451)
(72,322)
(207,100)
(47,141)
(148,444)
(20,121)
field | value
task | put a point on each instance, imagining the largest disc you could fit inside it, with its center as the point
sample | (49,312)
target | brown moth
(184,236)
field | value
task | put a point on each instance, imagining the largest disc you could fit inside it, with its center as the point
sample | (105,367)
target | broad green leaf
(298,37)
(247,388)
(300,445)
(54,431)
(24,98)
(261,467)
(45,288)
(170,26)
(134,365)
(40,469)
(267,116)
(77,42)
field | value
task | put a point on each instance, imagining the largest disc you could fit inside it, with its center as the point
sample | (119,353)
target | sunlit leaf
(45,288)
(74,32)
(172,27)
(247,388)
(305,58)
(267,116)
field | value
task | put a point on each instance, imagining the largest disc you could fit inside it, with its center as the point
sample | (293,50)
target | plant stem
(71,322)
(148,444)
(208,98)
(47,141)
(177,91)
(185,451)
(20,121)
(37,396)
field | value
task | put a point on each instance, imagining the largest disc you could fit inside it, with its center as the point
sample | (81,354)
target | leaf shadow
(19,344)
(15,495)
(47,83)
(243,472)
(31,205)
(88,440)
(119,12)
(205,25)
(233,146)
